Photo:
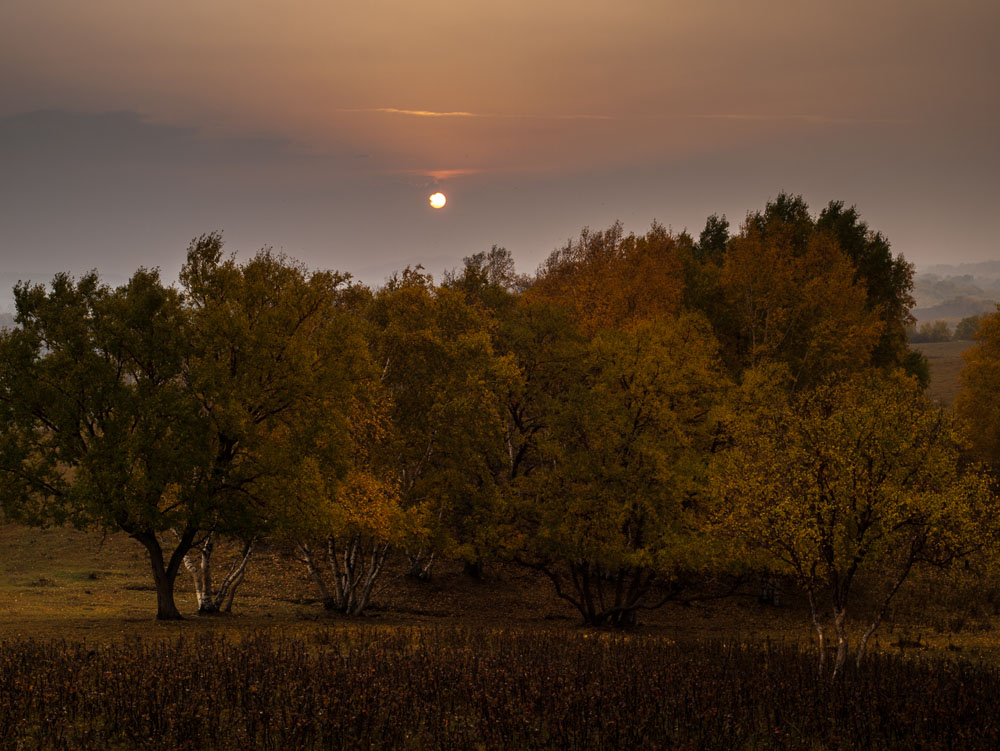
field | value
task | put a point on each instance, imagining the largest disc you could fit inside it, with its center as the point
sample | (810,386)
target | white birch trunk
(353,568)
(199,565)
(820,633)
(840,626)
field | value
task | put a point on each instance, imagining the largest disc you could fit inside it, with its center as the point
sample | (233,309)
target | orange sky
(543,92)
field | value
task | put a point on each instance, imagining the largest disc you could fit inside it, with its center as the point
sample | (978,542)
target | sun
(438,200)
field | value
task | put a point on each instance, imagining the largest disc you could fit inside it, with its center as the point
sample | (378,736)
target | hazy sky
(319,127)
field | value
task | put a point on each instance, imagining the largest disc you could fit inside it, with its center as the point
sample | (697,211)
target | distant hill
(979,269)
(952,292)
(955,309)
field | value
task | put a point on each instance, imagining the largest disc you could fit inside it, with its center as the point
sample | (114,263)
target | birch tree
(272,358)
(796,305)
(611,279)
(215,597)
(355,516)
(851,478)
(978,402)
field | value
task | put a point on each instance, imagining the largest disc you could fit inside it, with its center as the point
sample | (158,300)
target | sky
(319,128)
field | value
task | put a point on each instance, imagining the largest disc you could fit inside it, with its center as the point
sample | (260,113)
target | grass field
(80,586)
(945,361)
(456,663)
(65,583)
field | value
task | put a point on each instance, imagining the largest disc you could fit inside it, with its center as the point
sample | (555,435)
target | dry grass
(945,360)
(70,584)
(67,584)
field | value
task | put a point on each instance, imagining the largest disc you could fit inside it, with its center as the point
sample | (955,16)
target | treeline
(645,418)
(940,331)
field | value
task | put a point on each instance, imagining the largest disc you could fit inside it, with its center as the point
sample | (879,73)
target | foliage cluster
(490,690)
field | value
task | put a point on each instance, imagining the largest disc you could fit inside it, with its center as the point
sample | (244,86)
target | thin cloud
(444,174)
(735,116)
(819,119)
(439,174)
(412,113)
(479,115)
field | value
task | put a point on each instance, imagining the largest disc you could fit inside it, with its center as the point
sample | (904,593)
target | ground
(945,361)
(82,586)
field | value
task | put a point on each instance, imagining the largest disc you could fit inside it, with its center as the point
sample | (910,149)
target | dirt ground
(82,586)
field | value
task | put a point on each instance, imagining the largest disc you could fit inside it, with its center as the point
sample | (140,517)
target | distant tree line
(644,419)
(941,331)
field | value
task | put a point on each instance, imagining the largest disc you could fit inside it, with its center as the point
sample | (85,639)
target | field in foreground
(455,663)
(421,688)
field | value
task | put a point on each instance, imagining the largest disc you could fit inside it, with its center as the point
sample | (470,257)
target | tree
(855,476)
(774,246)
(965,330)
(888,279)
(358,516)
(443,381)
(785,221)
(274,357)
(714,237)
(488,280)
(610,279)
(100,428)
(977,404)
(199,563)
(155,411)
(610,515)
(793,301)
(932,331)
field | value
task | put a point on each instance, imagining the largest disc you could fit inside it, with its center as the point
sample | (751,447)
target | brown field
(80,586)
(945,360)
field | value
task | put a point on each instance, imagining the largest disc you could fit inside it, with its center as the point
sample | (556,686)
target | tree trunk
(201,575)
(839,625)
(820,633)
(306,556)
(165,575)
(474,569)
(166,608)
(896,584)
(624,619)
(355,571)
(212,601)
(421,564)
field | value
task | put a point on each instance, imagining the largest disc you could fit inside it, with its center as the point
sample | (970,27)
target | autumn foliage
(648,417)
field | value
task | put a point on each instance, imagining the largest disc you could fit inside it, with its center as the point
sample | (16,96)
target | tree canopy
(167,413)
(854,476)
(644,413)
